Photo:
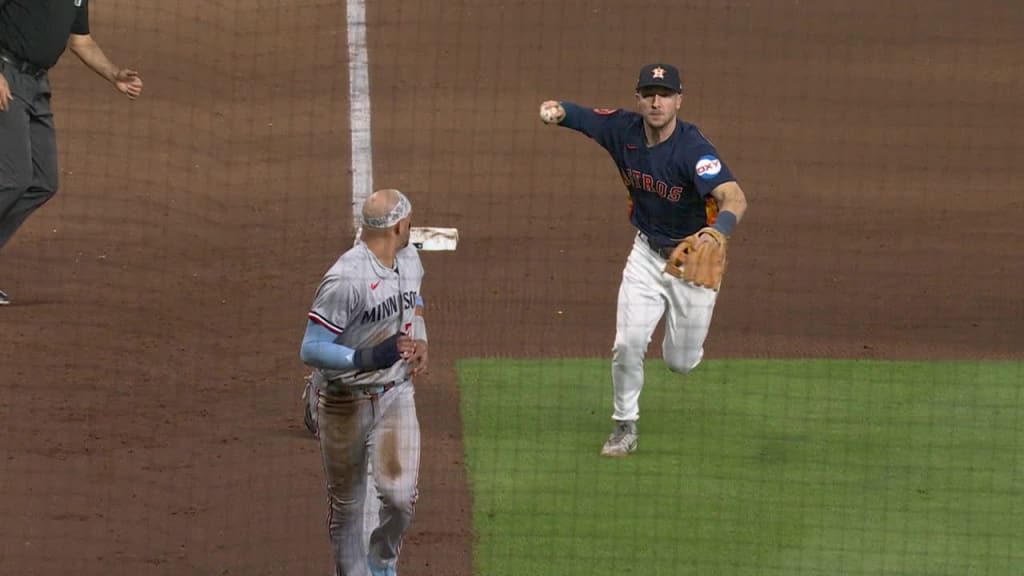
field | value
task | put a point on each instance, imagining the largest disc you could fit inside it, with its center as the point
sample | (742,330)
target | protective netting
(149,372)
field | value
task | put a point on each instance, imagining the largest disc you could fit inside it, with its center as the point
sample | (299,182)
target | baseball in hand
(551,112)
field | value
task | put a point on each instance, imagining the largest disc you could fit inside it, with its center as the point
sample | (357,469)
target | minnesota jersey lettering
(389,307)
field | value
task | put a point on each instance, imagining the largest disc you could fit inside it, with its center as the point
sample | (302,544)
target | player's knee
(629,348)
(400,501)
(682,362)
(679,367)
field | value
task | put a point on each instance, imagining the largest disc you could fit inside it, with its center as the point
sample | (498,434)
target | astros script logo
(658,72)
(708,167)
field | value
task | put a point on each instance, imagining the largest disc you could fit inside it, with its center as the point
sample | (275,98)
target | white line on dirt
(359,107)
(362,165)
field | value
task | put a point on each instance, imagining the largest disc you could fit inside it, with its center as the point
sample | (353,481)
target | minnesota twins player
(678,184)
(366,338)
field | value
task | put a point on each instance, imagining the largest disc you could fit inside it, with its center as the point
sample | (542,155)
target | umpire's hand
(128,82)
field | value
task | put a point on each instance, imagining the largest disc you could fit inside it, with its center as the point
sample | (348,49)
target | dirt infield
(149,369)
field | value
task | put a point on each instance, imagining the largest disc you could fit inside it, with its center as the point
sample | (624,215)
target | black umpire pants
(28,150)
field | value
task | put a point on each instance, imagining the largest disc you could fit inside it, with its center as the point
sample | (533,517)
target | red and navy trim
(325,323)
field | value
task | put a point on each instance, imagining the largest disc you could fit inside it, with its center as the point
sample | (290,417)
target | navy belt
(21,65)
(663,251)
(361,389)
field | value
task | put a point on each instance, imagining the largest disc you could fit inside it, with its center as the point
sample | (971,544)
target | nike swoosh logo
(374,285)
(628,147)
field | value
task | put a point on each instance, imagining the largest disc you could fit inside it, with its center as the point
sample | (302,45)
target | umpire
(33,35)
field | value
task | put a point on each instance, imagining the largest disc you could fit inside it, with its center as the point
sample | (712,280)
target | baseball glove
(703,266)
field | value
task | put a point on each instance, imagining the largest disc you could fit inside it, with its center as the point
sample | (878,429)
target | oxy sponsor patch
(708,167)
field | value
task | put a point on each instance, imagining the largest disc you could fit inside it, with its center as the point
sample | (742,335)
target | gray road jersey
(365,303)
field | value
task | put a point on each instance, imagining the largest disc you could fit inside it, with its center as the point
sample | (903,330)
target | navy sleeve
(81,23)
(706,167)
(600,124)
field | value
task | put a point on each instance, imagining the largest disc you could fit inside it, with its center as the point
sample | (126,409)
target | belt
(21,65)
(361,389)
(664,251)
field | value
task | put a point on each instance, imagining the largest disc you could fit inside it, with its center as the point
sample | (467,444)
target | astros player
(678,184)
(366,339)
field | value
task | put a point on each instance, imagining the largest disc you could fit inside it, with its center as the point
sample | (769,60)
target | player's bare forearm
(90,53)
(730,197)
(732,205)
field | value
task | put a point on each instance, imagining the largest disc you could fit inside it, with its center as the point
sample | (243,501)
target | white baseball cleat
(4,300)
(622,441)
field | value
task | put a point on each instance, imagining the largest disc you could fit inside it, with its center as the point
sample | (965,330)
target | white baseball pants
(646,294)
(384,433)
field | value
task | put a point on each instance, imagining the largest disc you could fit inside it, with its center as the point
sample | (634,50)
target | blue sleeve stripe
(325,323)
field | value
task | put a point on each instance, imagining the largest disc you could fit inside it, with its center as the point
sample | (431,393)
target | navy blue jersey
(670,183)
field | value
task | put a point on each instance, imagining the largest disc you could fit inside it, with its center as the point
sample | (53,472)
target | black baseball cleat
(310,397)
(4,300)
(310,421)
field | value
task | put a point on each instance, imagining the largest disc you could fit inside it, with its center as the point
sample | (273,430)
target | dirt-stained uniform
(368,417)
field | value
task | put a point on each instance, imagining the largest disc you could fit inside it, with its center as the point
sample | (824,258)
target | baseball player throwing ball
(366,339)
(684,202)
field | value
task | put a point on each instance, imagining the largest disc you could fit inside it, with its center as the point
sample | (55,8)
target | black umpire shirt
(37,30)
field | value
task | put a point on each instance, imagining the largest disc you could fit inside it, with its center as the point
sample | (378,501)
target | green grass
(763,468)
